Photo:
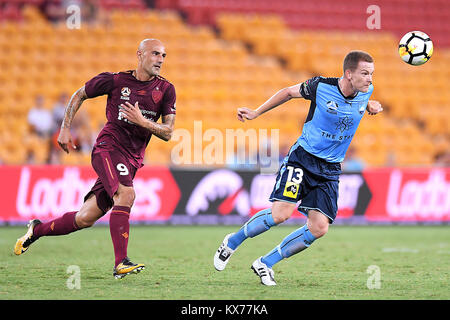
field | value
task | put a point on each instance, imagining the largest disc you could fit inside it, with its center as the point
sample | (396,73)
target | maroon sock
(57,227)
(119,227)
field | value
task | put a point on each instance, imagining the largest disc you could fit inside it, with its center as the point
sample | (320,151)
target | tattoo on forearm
(72,107)
(161,131)
(164,130)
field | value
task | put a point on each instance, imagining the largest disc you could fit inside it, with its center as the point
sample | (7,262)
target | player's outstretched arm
(277,99)
(65,138)
(373,107)
(162,130)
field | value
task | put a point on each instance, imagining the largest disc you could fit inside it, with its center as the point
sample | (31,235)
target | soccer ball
(415,48)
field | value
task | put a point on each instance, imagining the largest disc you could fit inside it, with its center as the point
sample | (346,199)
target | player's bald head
(149,44)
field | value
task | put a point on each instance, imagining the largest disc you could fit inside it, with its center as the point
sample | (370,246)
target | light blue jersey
(332,119)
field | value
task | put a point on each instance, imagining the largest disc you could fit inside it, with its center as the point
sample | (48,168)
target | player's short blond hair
(352,59)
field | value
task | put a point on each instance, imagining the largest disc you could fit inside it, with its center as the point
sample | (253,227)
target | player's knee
(89,213)
(317,223)
(281,211)
(281,215)
(125,196)
(318,228)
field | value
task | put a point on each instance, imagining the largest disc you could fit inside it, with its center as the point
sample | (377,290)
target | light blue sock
(295,242)
(259,223)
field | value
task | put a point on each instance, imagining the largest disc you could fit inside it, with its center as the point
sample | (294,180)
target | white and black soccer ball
(415,48)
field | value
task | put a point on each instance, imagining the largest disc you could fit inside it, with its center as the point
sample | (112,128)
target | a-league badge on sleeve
(291,190)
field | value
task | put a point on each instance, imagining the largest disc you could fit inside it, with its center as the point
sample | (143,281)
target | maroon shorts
(112,168)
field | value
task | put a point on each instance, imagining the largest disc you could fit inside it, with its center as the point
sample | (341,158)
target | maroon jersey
(155,98)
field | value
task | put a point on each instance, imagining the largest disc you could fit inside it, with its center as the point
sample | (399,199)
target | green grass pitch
(413,263)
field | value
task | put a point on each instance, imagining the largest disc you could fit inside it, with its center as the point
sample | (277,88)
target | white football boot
(223,254)
(265,273)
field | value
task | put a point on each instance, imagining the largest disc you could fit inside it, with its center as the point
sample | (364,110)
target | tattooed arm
(165,129)
(65,138)
(161,130)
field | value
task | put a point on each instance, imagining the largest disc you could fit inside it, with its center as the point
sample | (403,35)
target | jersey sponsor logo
(148,113)
(333,136)
(344,124)
(121,115)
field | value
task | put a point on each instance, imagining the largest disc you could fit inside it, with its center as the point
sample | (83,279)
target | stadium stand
(220,58)
(398,16)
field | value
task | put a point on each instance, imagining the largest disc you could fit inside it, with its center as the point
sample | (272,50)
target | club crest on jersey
(125,93)
(157,95)
(332,107)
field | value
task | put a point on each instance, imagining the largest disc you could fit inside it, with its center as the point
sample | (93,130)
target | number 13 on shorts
(294,178)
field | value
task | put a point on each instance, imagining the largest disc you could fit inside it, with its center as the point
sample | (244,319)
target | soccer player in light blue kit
(310,171)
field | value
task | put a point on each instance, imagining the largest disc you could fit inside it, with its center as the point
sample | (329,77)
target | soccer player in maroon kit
(136,100)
